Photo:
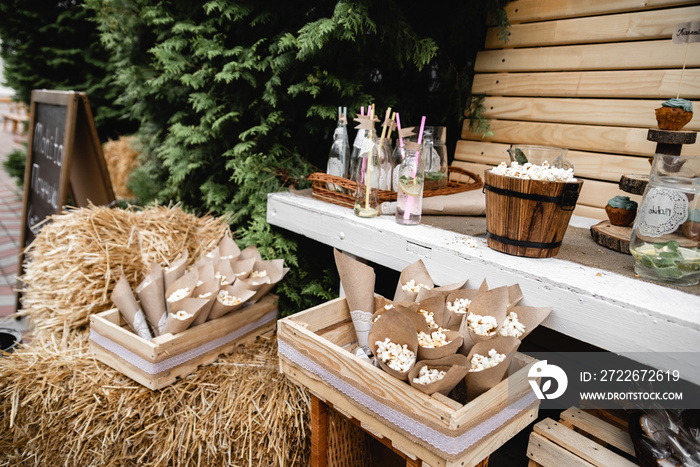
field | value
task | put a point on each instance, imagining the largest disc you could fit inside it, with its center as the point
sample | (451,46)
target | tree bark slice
(612,236)
(635,184)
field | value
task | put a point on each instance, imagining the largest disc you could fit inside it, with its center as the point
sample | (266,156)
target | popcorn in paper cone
(442,291)
(275,272)
(432,310)
(243,267)
(357,280)
(387,338)
(250,252)
(228,249)
(124,299)
(175,270)
(457,306)
(486,314)
(455,368)
(411,311)
(206,273)
(438,344)
(181,288)
(224,273)
(413,278)
(183,314)
(521,320)
(230,298)
(152,297)
(482,376)
(207,291)
(211,256)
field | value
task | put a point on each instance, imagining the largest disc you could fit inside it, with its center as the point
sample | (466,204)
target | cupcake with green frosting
(674,114)
(621,210)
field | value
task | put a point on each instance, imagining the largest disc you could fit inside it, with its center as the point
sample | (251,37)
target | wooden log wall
(587,76)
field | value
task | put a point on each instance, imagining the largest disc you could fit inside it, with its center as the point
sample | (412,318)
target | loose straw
(409,200)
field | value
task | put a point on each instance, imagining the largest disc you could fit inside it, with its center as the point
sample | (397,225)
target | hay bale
(61,407)
(121,158)
(73,264)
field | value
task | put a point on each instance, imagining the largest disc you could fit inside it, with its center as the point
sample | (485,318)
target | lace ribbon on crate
(159,367)
(448,445)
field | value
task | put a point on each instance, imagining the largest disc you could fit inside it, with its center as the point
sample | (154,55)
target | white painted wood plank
(614,312)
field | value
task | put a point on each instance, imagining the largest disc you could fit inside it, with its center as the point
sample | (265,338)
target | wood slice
(612,236)
(635,184)
(671,137)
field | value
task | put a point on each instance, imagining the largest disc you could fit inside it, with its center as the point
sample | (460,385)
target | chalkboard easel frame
(83,170)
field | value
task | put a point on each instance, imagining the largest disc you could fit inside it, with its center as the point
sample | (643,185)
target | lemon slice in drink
(411,187)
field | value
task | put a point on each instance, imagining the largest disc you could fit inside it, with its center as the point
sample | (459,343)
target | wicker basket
(458,180)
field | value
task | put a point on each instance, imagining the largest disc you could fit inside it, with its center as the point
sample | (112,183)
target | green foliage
(478,123)
(237,99)
(55,45)
(14,164)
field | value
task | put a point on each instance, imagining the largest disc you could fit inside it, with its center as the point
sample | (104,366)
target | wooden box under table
(315,352)
(160,362)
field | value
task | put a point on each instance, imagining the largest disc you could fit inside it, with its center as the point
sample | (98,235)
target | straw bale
(73,264)
(121,158)
(59,406)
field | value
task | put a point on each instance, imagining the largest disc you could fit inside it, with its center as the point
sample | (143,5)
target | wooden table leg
(319,425)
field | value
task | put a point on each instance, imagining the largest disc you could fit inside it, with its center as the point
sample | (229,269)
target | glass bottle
(385,165)
(339,155)
(435,157)
(366,175)
(409,196)
(665,238)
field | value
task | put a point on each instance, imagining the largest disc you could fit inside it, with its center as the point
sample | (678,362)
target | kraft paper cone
(152,297)
(175,270)
(362,322)
(454,320)
(454,339)
(275,273)
(228,249)
(358,282)
(400,330)
(530,317)
(442,291)
(212,256)
(237,290)
(514,295)
(187,283)
(456,367)
(210,287)
(206,273)
(183,314)
(493,302)
(224,273)
(466,203)
(250,252)
(243,267)
(124,299)
(481,381)
(411,312)
(416,271)
(436,306)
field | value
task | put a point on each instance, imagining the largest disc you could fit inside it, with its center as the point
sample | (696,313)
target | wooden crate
(160,362)
(315,349)
(581,438)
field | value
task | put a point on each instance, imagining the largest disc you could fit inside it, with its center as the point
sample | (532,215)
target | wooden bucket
(528,217)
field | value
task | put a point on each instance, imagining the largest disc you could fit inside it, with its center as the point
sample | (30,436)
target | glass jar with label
(665,239)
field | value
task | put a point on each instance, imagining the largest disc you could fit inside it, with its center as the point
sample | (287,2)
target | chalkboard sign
(64,158)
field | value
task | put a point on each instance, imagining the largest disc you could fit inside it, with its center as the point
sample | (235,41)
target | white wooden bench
(585,76)
(17,117)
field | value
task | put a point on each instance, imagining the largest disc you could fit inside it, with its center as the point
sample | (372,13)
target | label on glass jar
(662,212)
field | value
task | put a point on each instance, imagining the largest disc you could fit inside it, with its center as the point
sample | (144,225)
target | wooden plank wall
(587,76)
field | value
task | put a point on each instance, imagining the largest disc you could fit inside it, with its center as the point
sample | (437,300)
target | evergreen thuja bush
(238,99)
